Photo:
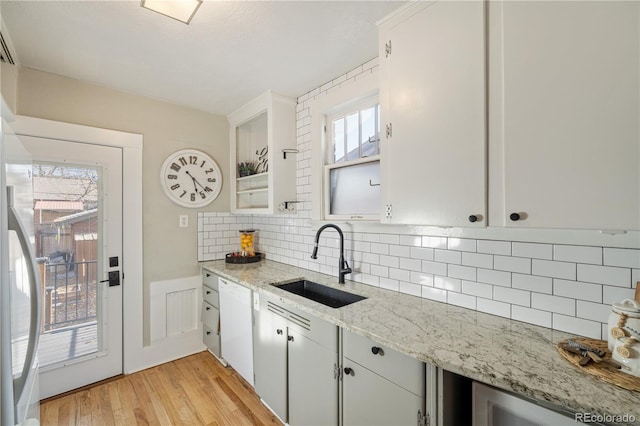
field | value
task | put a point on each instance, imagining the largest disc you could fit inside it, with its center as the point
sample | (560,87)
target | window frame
(348,95)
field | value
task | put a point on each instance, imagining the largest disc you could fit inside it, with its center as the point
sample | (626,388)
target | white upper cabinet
(262,134)
(564,114)
(432,98)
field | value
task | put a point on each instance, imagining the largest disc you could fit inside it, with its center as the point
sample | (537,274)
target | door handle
(114,279)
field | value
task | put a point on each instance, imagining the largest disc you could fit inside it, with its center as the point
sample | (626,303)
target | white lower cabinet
(296,364)
(236,327)
(380,385)
(301,376)
(210,312)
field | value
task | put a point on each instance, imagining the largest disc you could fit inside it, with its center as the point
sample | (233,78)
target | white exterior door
(78,220)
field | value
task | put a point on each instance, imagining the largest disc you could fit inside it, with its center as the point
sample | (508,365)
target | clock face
(191,178)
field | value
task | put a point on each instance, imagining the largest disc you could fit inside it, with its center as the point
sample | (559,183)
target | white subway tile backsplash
(532,250)
(461,244)
(447,256)
(434,242)
(608,275)
(513,296)
(553,269)
(389,284)
(422,279)
(560,305)
(477,289)
(531,316)
(494,307)
(512,264)
(532,283)
(611,294)
(379,248)
(575,325)
(411,264)
(478,260)
(489,276)
(399,274)
(410,288)
(381,271)
(462,272)
(593,311)
(390,261)
(578,290)
(447,283)
(411,240)
(463,300)
(581,254)
(389,239)
(434,267)
(422,253)
(436,294)
(494,247)
(627,258)
(400,251)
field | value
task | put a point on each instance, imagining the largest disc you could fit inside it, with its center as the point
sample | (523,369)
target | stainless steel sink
(321,293)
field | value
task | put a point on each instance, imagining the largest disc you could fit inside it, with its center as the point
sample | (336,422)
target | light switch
(184,221)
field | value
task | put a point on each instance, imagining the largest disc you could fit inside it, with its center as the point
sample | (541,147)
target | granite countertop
(508,354)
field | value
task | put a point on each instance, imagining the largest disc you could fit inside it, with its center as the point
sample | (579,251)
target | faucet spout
(343,266)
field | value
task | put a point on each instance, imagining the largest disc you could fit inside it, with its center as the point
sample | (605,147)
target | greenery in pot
(247,168)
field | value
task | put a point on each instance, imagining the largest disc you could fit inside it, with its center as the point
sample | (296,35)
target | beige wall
(169,251)
(9,82)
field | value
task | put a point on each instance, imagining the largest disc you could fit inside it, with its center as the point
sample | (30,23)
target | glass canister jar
(247,237)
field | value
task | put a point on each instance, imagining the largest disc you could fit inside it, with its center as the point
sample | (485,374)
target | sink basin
(321,293)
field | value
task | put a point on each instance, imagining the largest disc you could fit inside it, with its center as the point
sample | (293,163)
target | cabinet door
(236,328)
(432,90)
(369,399)
(270,360)
(565,104)
(313,385)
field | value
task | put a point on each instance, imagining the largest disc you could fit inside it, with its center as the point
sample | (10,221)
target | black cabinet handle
(514,216)
(208,291)
(376,350)
(348,371)
(208,275)
(473,218)
(208,308)
(279,332)
(208,333)
(290,338)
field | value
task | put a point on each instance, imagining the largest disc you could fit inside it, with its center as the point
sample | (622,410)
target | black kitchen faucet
(343,266)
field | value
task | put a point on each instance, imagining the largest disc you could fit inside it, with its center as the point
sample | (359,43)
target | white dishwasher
(236,327)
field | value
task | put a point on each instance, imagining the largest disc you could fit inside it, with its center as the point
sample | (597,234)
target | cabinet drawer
(397,367)
(210,279)
(211,296)
(210,316)
(211,339)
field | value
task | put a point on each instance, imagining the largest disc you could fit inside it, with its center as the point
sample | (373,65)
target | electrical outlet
(183,221)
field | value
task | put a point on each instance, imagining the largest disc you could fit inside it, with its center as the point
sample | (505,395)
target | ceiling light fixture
(181,10)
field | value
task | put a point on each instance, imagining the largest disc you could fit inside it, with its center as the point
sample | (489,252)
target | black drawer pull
(208,333)
(208,291)
(207,308)
(290,338)
(279,332)
(348,371)
(376,350)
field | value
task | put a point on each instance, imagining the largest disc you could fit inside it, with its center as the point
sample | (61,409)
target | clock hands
(195,181)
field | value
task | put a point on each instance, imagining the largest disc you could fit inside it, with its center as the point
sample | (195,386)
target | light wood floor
(196,390)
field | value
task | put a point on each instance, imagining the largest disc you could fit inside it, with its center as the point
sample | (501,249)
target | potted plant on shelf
(246,168)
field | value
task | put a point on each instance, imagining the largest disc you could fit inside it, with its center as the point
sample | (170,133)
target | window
(345,164)
(352,167)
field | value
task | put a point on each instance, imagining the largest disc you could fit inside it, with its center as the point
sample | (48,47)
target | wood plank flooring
(196,390)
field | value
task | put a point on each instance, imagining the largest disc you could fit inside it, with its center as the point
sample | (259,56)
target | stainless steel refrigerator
(20,306)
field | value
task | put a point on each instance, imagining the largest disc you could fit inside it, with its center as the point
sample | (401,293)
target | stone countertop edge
(505,353)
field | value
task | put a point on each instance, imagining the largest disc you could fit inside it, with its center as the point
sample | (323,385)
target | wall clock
(191,178)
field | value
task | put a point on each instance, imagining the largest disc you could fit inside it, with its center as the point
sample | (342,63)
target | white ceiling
(230,53)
